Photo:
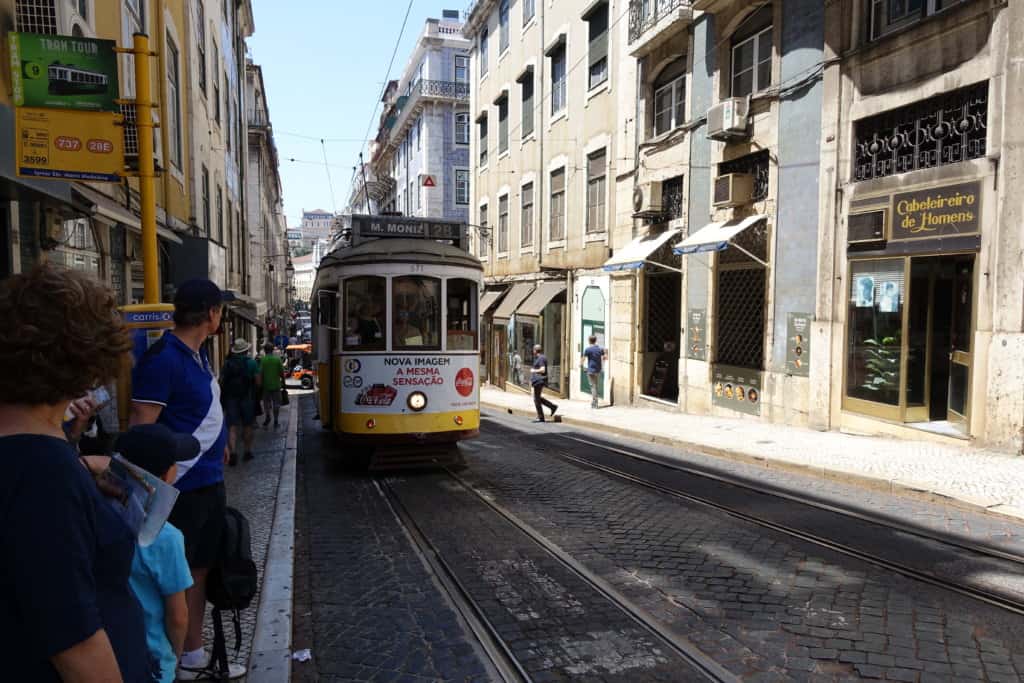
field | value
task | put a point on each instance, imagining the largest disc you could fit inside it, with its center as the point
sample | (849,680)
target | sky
(324,64)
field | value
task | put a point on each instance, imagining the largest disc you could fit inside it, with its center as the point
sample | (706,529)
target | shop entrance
(939,339)
(909,356)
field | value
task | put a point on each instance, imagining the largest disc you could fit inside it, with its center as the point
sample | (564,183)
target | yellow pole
(147,170)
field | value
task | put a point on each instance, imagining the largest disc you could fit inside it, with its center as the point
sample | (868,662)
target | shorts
(199,515)
(272,398)
(240,412)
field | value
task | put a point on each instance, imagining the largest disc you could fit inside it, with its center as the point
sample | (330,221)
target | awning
(109,211)
(635,254)
(490,298)
(245,313)
(718,236)
(515,296)
(541,297)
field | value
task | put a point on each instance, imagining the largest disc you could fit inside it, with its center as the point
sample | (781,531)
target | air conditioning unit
(733,189)
(647,199)
(729,119)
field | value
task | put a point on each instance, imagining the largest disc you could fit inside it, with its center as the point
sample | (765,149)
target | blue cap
(197,296)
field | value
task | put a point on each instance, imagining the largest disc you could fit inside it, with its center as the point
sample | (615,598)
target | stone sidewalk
(252,487)
(970,477)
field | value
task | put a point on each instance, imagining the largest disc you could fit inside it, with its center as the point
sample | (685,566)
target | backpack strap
(219,656)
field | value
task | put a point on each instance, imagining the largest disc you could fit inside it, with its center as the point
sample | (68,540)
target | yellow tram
(396,345)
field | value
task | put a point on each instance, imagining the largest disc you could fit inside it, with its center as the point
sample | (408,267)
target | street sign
(63,72)
(428,181)
(68,145)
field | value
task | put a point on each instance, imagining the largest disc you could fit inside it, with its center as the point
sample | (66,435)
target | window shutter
(527,126)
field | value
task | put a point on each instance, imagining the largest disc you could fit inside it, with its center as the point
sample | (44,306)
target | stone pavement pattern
(252,489)
(764,605)
(986,478)
(365,604)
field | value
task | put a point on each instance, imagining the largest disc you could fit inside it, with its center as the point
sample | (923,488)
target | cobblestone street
(372,603)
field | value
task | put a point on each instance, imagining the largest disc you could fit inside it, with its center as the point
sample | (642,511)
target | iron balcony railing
(645,14)
(456,90)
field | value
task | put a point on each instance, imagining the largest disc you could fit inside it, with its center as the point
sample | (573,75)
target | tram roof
(402,250)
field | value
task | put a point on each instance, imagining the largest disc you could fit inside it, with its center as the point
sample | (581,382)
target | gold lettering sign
(937,212)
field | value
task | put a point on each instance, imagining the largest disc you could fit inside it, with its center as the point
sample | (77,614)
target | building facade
(923,316)
(316,227)
(269,243)
(543,146)
(807,215)
(419,160)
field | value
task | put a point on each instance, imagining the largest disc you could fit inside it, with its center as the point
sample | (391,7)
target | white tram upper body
(395,338)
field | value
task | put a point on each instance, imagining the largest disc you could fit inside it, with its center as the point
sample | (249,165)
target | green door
(592,322)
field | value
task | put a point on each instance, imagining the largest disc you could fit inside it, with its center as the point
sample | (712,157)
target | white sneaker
(207,673)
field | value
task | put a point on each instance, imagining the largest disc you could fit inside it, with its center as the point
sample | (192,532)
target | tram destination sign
(392,226)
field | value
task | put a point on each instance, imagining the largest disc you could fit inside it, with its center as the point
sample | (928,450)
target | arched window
(670,97)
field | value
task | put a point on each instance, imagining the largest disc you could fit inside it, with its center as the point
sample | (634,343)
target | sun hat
(240,346)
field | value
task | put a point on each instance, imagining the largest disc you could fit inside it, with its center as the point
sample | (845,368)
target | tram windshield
(462,315)
(364,313)
(416,312)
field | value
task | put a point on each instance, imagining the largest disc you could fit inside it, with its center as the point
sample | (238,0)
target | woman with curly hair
(66,609)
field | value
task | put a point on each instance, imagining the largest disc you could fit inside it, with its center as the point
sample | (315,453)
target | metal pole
(366,188)
(147,170)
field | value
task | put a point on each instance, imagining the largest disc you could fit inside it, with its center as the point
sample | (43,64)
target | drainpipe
(539,127)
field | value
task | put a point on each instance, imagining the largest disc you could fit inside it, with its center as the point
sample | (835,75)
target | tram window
(462,315)
(365,299)
(416,313)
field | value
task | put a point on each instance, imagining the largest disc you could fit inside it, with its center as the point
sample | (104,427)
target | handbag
(284,396)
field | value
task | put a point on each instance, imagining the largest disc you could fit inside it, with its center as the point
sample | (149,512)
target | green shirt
(271,368)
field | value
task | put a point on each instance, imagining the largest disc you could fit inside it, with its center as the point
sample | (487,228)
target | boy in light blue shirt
(160,573)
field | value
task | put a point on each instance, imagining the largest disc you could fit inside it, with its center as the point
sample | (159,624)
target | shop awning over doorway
(635,254)
(718,236)
(541,297)
(515,296)
(109,211)
(490,299)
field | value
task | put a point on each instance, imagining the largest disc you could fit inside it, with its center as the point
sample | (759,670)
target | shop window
(521,356)
(364,313)
(946,129)
(740,285)
(415,313)
(875,324)
(462,316)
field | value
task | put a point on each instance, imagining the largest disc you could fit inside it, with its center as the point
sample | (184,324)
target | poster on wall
(889,298)
(696,334)
(798,344)
(737,389)
(865,292)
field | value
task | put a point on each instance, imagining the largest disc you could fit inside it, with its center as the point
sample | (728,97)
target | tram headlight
(417,401)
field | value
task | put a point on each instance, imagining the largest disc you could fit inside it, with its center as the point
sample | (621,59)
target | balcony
(715,6)
(653,22)
(406,107)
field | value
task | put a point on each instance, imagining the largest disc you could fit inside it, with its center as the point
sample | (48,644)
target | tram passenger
(368,327)
(408,307)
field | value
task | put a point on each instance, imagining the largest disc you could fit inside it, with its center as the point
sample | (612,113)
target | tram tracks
(994,559)
(506,659)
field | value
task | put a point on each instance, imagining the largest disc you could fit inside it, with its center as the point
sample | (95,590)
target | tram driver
(410,310)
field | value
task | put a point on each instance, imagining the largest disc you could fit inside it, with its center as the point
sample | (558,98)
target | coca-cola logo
(464,382)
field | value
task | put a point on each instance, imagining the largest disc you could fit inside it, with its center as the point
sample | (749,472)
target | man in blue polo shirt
(173,384)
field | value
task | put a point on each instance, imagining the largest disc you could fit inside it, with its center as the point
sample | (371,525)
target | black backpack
(232,584)
(236,381)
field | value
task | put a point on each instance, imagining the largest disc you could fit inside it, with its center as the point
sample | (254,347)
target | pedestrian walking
(173,384)
(239,391)
(593,362)
(539,380)
(67,612)
(271,384)
(160,573)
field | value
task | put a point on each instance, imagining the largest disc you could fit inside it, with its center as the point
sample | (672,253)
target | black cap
(197,296)
(154,447)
